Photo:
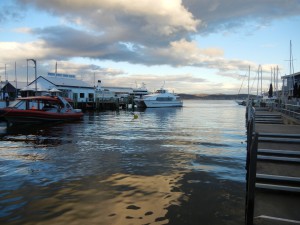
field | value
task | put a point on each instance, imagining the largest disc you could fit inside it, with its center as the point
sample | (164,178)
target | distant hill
(213,96)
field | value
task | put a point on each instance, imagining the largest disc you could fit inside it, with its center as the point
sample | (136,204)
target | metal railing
(289,110)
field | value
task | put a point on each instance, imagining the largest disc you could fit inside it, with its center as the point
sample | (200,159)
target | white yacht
(161,98)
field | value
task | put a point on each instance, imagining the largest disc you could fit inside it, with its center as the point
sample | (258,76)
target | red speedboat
(39,109)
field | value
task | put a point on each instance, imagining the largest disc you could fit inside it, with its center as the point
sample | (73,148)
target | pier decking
(273,169)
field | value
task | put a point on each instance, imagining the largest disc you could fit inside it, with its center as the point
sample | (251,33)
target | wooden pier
(273,168)
(106,104)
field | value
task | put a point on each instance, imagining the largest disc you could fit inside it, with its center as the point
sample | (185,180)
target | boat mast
(274,81)
(241,85)
(261,76)
(16,79)
(277,71)
(56,69)
(257,82)
(27,72)
(6,77)
(291,59)
(292,65)
(248,85)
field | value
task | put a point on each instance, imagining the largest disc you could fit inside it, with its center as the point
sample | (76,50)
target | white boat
(138,95)
(161,98)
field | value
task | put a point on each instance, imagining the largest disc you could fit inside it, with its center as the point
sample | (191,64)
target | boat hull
(35,117)
(162,104)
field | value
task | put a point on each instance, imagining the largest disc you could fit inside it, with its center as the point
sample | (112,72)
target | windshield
(15,103)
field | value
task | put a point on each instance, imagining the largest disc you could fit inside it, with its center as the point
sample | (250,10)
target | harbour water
(169,166)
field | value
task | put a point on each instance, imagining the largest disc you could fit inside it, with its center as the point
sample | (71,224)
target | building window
(81,95)
(75,96)
(91,97)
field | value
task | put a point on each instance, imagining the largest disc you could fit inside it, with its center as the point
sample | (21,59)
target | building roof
(18,84)
(70,82)
(65,82)
(290,75)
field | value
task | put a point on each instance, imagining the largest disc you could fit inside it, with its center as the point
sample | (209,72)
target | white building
(67,86)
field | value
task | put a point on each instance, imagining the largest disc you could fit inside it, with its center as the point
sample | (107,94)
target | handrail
(290,110)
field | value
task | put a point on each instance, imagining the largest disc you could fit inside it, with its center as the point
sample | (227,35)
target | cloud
(150,32)
(21,51)
(24,30)
(140,31)
(129,20)
(153,82)
(219,15)
(82,69)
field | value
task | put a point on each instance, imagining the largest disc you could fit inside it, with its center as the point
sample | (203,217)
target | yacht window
(17,104)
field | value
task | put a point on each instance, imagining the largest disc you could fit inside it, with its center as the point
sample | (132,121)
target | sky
(187,46)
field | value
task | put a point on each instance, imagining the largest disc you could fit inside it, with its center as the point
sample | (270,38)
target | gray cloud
(219,15)
(148,32)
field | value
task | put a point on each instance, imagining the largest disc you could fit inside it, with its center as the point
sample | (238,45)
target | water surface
(169,166)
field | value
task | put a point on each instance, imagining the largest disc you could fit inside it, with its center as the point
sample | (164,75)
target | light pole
(34,61)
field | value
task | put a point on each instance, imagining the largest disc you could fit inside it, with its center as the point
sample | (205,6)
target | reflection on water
(169,166)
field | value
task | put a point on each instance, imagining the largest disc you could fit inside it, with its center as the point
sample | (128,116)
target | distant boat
(40,109)
(161,98)
(138,95)
(241,102)
(139,92)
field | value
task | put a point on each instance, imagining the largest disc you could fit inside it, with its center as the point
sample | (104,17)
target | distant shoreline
(213,96)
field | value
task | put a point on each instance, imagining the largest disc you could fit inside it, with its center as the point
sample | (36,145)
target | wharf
(104,104)
(273,169)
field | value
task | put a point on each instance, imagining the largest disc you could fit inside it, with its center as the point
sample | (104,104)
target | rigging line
(242,84)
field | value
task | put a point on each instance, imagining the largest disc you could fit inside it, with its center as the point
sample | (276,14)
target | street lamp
(34,61)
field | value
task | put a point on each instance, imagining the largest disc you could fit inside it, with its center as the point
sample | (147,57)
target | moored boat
(39,109)
(161,98)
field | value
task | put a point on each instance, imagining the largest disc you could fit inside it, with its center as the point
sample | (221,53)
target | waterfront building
(65,85)
(290,85)
(12,88)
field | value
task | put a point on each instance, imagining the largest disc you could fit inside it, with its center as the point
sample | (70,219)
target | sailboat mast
(56,69)
(291,55)
(16,79)
(277,71)
(261,80)
(257,81)
(249,85)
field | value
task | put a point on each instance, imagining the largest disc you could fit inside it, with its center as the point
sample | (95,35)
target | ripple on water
(111,169)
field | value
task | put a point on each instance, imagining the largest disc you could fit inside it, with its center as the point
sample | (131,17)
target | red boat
(39,109)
